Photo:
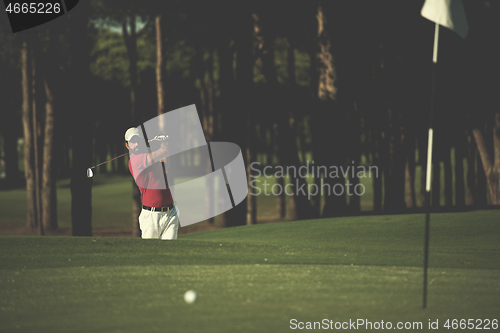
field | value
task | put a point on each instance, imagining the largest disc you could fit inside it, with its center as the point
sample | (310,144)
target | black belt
(159,209)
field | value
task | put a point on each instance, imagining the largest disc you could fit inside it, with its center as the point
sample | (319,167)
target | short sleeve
(137,164)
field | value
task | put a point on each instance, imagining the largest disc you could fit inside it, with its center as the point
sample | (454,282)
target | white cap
(132,131)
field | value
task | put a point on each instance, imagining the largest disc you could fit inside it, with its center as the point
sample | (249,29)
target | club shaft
(114,158)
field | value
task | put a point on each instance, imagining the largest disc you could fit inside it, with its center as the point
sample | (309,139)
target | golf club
(90,173)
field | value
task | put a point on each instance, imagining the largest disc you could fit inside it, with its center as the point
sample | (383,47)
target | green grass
(112,203)
(254,278)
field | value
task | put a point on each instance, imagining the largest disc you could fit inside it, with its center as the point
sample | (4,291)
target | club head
(90,173)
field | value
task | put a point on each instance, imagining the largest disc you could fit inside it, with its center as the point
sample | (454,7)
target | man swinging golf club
(159,215)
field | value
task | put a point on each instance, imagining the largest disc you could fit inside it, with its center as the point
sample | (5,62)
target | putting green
(256,278)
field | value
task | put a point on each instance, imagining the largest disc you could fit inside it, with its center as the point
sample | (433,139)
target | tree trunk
(251,135)
(226,84)
(29,170)
(301,201)
(206,110)
(209,127)
(159,67)
(436,178)
(459,172)
(422,161)
(236,118)
(281,198)
(481,181)
(209,121)
(471,172)
(299,205)
(410,174)
(49,181)
(409,199)
(355,153)
(35,95)
(251,157)
(491,165)
(329,118)
(81,186)
(448,179)
(316,198)
(131,45)
(385,161)
(49,193)
(377,179)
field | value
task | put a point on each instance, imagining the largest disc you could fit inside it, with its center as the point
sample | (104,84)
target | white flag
(448,13)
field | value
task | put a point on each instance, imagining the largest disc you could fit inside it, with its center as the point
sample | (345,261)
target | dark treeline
(340,83)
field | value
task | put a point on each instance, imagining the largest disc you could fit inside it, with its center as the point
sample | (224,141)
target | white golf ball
(190,296)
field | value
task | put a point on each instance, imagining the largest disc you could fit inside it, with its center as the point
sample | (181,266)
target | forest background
(334,83)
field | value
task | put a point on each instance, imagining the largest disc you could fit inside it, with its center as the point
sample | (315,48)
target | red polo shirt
(151,181)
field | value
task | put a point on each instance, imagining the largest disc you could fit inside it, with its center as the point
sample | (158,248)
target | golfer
(159,215)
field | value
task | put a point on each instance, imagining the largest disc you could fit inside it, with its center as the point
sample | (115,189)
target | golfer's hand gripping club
(90,173)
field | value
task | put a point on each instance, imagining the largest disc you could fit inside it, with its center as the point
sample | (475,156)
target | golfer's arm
(157,155)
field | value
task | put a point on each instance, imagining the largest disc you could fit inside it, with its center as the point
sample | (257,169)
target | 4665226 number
(478,324)
(34,8)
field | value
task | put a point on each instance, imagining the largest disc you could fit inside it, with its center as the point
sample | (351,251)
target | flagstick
(429,164)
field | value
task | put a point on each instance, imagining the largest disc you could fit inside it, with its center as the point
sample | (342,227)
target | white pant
(159,225)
